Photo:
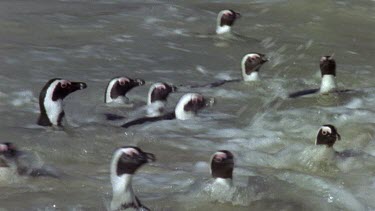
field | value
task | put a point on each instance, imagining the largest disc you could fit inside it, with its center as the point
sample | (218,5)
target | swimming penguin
(14,161)
(222,164)
(187,108)
(51,100)
(250,66)
(118,87)
(125,162)
(157,98)
(225,21)
(328,84)
(327,135)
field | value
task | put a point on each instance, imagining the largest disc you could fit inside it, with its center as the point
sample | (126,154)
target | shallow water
(277,165)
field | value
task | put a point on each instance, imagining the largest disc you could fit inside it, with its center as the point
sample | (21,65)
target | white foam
(22,98)
(201,166)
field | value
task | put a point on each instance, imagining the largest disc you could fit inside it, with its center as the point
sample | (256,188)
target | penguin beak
(238,15)
(78,86)
(145,157)
(174,88)
(338,137)
(210,102)
(149,157)
(139,81)
(264,58)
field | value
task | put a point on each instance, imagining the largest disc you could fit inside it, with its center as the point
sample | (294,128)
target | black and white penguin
(118,87)
(222,165)
(225,21)
(250,66)
(14,161)
(125,162)
(187,108)
(327,135)
(328,84)
(157,98)
(51,100)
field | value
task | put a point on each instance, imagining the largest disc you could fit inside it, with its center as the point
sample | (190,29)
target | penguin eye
(122,83)
(64,85)
(324,132)
(218,159)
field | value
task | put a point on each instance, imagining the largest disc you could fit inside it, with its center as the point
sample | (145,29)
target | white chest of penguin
(53,109)
(328,84)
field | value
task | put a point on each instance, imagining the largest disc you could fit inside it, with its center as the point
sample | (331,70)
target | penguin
(186,108)
(118,87)
(327,135)
(225,21)
(51,100)
(222,165)
(251,64)
(14,161)
(250,67)
(157,98)
(328,85)
(125,162)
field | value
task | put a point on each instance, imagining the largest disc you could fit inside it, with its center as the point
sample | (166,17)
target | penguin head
(128,159)
(189,104)
(327,135)
(228,17)
(61,88)
(119,86)
(222,164)
(193,102)
(8,154)
(327,66)
(8,150)
(51,97)
(225,20)
(252,62)
(160,92)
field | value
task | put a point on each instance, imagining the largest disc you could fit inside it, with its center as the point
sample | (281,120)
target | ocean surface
(278,167)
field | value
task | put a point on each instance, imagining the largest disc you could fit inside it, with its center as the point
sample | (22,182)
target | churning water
(278,167)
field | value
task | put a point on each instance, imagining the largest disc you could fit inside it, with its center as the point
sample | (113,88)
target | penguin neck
(108,98)
(181,114)
(51,112)
(156,108)
(223,29)
(328,84)
(253,76)
(123,194)
(149,97)
(119,100)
